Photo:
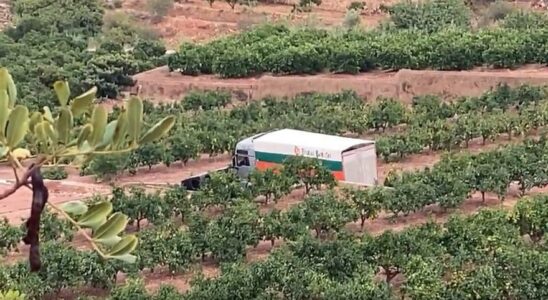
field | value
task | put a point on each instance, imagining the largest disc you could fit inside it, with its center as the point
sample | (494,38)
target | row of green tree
(448,183)
(204,126)
(482,256)
(281,50)
(222,219)
(461,130)
(494,254)
(53,37)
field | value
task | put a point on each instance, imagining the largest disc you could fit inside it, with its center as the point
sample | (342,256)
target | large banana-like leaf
(157,131)
(35,118)
(85,134)
(127,258)
(107,137)
(64,125)
(12,91)
(99,119)
(109,230)
(96,215)
(18,125)
(82,103)
(3,151)
(7,84)
(120,132)
(4,112)
(124,247)
(51,133)
(76,208)
(135,118)
(40,131)
(48,115)
(63,92)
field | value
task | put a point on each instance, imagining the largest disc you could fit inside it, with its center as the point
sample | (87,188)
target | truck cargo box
(349,159)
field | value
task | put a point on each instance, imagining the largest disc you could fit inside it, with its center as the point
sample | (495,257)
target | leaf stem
(12,164)
(97,152)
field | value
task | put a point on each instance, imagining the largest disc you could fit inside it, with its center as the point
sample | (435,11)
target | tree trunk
(306,188)
(522,188)
(40,195)
(389,274)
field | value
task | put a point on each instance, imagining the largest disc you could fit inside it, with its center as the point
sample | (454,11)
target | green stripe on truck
(280,158)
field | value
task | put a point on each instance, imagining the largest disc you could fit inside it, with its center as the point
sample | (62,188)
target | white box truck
(350,160)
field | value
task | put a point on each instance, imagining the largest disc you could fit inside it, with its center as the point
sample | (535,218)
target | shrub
(117,3)
(309,51)
(54,173)
(12,295)
(496,11)
(206,100)
(430,15)
(308,3)
(351,18)
(106,167)
(521,19)
(359,6)
(159,8)
(125,29)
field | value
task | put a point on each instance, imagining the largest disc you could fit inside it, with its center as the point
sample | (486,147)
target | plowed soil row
(161,85)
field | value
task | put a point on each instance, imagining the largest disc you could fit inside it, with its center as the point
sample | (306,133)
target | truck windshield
(242,158)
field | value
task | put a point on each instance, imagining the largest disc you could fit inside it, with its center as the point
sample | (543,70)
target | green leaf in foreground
(18,124)
(113,226)
(96,215)
(135,118)
(124,246)
(157,131)
(76,208)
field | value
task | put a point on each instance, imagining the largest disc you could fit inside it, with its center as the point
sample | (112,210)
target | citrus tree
(72,133)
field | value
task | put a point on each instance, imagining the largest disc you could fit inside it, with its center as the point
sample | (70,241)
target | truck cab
(244,157)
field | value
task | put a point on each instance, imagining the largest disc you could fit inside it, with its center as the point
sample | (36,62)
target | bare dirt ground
(75,187)
(162,86)
(195,20)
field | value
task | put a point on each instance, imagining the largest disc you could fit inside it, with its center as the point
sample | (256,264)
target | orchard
(461,211)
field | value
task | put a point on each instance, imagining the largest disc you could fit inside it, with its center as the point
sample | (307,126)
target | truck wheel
(206,179)
(191,184)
